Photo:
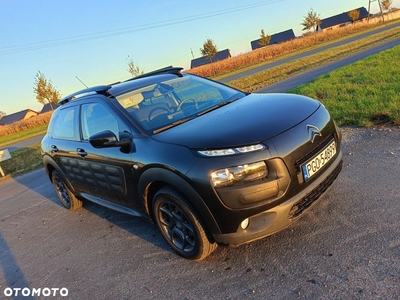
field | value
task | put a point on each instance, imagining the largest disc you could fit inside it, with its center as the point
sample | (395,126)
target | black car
(207,163)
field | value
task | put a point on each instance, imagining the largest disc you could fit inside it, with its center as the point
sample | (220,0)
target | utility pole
(192,52)
(369,9)
(380,8)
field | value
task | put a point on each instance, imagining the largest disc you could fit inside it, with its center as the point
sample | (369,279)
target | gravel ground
(346,247)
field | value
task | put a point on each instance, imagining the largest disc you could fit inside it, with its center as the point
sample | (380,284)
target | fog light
(244,223)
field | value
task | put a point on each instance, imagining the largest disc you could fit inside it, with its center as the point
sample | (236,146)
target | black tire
(180,225)
(67,198)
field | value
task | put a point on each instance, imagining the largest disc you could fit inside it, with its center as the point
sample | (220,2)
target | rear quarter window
(65,124)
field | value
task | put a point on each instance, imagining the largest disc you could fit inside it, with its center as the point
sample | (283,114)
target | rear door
(64,140)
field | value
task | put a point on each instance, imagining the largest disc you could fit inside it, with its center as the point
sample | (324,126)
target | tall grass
(24,129)
(270,52)
(23,125)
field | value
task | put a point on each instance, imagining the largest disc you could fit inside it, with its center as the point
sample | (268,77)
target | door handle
(54,148)
(81,152)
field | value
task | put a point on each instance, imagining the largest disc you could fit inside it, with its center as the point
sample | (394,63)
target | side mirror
(107,139)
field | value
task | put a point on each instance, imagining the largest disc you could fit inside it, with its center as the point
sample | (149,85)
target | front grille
(313,196)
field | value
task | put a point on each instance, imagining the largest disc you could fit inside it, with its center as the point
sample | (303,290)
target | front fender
(164,177)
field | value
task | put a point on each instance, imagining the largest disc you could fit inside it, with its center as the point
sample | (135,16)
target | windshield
(167,103)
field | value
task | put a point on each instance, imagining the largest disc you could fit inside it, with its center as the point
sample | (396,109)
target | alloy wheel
(177,226)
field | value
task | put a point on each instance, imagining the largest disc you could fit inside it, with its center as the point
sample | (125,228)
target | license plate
(312,167)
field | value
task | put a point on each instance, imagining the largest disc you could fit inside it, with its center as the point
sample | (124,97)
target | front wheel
(180,225)
(67,198)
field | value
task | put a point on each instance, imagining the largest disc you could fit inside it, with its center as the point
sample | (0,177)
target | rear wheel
(180,225)
(67,198)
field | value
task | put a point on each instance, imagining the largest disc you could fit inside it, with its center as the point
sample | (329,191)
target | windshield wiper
(216,106)
(171,125)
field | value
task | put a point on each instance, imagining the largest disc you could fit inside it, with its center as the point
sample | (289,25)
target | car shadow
(140,227)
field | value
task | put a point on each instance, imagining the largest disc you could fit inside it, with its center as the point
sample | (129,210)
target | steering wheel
(151,117)
(187,100)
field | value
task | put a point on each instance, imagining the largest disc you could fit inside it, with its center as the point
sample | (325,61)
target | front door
(103,172)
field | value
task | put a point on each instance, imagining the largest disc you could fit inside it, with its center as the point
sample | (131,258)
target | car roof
(119,87)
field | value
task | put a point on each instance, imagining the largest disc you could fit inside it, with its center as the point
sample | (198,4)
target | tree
(45,92)
(209,49)
(132,68)
(387,5)
(264,39)
(354,15)
(311,20)
(2,114)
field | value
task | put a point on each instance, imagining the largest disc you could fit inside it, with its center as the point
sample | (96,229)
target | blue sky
(93,39)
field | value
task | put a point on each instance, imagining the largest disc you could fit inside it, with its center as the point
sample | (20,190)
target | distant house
(18,116)
(49,107)
(197,62)
(341,20)
(275,39)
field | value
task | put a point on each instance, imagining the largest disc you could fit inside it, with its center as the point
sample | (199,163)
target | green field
(365,93)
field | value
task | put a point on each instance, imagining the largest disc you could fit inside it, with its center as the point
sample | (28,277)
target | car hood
(249,120)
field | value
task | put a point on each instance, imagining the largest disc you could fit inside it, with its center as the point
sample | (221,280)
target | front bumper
(281,216)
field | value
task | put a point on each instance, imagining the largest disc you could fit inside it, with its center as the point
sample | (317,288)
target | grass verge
(22,161)
(365,93)
(23,135)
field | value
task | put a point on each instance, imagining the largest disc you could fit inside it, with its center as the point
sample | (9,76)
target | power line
(126,30)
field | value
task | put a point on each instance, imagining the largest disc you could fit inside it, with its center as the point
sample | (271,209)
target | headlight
(223,152)
(243,173)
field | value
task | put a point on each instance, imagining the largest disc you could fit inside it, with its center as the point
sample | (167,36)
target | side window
(65,126)
(96,118)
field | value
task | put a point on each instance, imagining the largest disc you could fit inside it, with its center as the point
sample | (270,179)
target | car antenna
(81,81)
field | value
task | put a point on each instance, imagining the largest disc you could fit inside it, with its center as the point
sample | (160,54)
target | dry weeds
(25,124)
(267,53)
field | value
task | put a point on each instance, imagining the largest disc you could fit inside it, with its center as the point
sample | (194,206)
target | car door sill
(113,206)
